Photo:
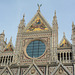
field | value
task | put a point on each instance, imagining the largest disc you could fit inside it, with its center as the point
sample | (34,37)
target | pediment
(64,43)
(33,70)
(9,47)
(61,70)
(6,71)
(38,23)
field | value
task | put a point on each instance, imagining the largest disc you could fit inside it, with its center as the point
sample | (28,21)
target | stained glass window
(35,49)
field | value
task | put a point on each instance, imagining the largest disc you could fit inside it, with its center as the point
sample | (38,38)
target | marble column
(66,56)
(47,69)
(2,60)
(63,56)
(7,60)
(60,57)
(69,56)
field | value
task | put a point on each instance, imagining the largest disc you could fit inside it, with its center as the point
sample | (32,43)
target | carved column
(69,56)
(5,60)
(66,56)
(2,60)
(60,57)
(63,56)
(47,69)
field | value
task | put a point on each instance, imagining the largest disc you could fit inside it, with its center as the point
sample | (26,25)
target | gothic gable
(33,69)
(6,71)
(9,47)
(61,70)
(38,23)
(64,43)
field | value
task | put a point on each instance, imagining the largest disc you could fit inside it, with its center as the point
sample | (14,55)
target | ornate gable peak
(37,23)
(9,46)
(22,22)
(64,43)
(33,70)
(61,65)
(5,69)
(2,33)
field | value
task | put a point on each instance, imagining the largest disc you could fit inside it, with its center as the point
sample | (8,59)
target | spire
(55,13)
(63,34)
(11,39)
(54,22)
(72,24)
(22,21)
(23,17)
(2,33)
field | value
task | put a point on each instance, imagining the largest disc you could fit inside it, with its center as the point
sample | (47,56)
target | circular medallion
(60,70)
(32,71)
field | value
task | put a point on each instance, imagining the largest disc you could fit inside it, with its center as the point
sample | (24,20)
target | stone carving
(14,71)
(6,72)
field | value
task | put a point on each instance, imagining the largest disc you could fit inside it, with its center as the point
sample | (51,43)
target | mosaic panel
(33,71)
(43,70)
(14,71)
(6,72)
(51,69)
(70,69)
(60,72)
(1,69)
(37,25)
(23,70)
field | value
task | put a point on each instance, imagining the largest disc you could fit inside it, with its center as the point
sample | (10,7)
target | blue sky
(11,12)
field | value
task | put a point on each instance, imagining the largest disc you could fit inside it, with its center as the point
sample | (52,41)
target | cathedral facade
(37,51)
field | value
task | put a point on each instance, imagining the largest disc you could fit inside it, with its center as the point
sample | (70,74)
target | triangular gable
(8,69)
(64,43)
(63,67)
(33,69)
(9,47)
(38,23)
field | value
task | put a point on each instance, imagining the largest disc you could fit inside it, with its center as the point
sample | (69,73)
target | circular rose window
(35,49)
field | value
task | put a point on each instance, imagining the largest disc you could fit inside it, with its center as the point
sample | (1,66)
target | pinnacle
(23,17)
(55,13)
(72,23)
(63,34)
(54,18)
(11,39)
(2,33)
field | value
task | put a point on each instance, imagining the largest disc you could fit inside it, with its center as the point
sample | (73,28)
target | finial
(55,13)
(39,6)
(72,24)
(63,34)
(23,15)
(2,32)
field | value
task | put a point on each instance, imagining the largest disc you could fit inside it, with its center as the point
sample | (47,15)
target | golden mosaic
(37,25)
